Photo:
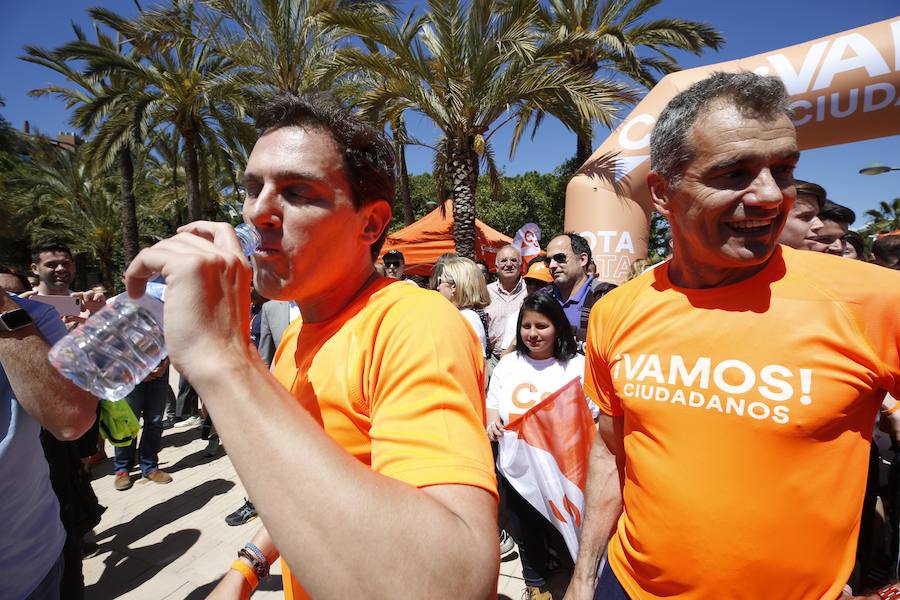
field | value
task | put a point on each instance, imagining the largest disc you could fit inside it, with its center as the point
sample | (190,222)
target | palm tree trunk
(398,132)
(210,209)
(583,150)
(106,270)
(405,200)
(130,235)
(463,182)
(195,202)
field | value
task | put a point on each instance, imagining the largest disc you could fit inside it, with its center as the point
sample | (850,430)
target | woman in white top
(545,359)
(461,282)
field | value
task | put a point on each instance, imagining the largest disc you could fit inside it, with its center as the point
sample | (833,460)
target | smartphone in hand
(66,306)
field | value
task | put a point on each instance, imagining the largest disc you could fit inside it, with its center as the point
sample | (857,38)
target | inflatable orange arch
(843,88)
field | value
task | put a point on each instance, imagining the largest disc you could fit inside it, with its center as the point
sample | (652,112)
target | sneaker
(535,593)
(212,448)
(189,422)
(244,514)
(507,545)
(168,423)
(123,481)
(158,476)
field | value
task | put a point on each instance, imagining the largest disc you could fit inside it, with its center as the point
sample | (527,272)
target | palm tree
(102,106)
(351,87)
(282,44)
(623,44)
(886,217)
(67,202)
(179,81)
(472,70)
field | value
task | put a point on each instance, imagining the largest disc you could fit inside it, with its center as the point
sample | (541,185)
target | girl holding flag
(545,360)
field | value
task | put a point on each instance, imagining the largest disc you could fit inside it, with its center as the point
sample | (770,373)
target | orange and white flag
(544,455)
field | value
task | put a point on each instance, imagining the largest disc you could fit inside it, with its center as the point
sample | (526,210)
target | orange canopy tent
(425,240)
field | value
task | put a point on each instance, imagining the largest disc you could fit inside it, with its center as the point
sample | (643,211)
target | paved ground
(171,542)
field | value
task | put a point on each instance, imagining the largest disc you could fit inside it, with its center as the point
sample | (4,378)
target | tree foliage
(165,100)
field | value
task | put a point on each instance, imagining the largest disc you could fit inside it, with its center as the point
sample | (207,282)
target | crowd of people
(735,386)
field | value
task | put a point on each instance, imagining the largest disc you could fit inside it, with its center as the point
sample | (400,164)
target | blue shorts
(609,588)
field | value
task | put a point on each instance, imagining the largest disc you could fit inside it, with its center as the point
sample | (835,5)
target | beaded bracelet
(247,571)
(261,569)
(260,564)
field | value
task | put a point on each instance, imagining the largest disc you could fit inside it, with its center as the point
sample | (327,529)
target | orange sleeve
(598,384)
(882,327)
(426,390)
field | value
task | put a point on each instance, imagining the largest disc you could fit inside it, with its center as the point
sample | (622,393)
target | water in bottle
(122,343)
(248,236)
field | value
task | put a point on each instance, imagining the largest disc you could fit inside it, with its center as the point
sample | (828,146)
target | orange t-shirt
(397,380)
(748,412)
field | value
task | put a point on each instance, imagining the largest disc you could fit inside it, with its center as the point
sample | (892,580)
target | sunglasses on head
(560,258)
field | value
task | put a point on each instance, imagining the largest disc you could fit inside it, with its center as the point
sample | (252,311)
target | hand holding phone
(66,306)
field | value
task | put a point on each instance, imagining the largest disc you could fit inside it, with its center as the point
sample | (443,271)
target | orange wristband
(247,571)
(892,409)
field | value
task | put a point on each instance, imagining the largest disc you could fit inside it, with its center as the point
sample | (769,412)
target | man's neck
(565,294)
(338,297)
(686,274)
(509,283)
(46,290)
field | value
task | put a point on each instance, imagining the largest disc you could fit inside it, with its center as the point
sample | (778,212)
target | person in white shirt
(545,360)
(506,294)
(460,281)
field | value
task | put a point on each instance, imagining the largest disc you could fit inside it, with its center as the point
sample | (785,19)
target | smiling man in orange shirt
(739,381)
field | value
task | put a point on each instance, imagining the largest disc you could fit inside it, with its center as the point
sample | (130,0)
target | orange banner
(844,88)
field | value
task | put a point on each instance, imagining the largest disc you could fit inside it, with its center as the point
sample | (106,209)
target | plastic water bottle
(248,236)
(122,343)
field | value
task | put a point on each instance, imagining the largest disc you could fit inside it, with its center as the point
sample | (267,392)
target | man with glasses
(568,257)
(394,264)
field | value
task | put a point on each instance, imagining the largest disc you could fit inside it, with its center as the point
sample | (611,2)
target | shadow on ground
(176,440)
(127,568)
(200,457)
(269,584)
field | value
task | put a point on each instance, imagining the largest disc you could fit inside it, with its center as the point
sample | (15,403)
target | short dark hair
(368,156)
(756,96)
(832,211)
(887,249)
(856,240)
(579,245)
(813,189)
(48,247)
(541,302)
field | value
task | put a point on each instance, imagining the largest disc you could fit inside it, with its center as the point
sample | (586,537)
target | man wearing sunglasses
(394,264)
(568,257)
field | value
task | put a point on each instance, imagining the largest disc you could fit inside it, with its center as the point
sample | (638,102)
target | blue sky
(749,28)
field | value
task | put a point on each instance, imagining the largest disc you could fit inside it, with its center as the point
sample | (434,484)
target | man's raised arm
(345,530)
(61,407)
